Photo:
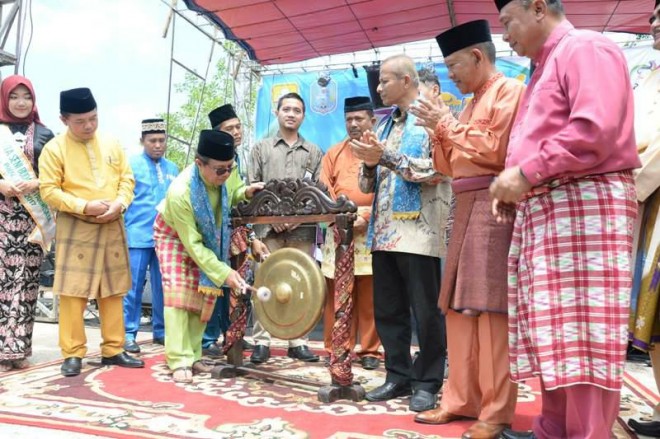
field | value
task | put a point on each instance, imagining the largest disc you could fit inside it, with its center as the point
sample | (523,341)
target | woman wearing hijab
(26,223)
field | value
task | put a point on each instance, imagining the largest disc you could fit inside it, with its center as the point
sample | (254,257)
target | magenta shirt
(576,117)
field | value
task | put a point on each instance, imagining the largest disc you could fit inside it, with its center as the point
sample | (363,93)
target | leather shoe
(132,347)
(510,434)
(71,366)
(645,428)
(122,360)
(388,391)
(302,353)
(247,346)
(437,416)
(260,354)
(370,363)
(158,340)
(212,351)
(422,400)
(483,430)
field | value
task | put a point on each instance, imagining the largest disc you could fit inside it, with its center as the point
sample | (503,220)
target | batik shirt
(424,235)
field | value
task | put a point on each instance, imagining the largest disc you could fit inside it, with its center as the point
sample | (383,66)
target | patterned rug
(145,403)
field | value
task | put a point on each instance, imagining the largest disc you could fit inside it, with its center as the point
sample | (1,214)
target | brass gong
(297,293)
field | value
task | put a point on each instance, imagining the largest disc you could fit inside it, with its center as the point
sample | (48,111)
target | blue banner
(324,100)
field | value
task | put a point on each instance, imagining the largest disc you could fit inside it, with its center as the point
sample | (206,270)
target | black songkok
(77,101)
(152,126)
(357,103)
(464,35)
(221,114)
(502,3)
(216,145)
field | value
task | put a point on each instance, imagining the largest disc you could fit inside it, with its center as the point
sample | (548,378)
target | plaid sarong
(569,281)
(180,274)
(91,259)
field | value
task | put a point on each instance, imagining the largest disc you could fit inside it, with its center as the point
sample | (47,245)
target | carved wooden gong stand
(296,201)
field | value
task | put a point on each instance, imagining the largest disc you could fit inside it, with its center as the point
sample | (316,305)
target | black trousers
(405,281)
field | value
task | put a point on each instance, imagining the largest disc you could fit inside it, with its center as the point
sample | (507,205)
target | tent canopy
(285,31)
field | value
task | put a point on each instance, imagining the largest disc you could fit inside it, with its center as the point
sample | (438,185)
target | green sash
(15,167)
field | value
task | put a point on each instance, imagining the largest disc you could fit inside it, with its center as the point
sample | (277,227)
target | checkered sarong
(569,281)
(180,274)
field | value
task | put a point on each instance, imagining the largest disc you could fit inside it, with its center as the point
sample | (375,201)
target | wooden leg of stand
(234,362)
(334,392)
(235,354)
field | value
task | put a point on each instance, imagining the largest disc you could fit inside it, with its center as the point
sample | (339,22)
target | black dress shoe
(645,428)
(132,347)
(388,391)
(510,434)
(213,351)
(159,340)
(122,360)
(370,363)
(422,401)
(247,346)
(302,353)
(71,366)
(260,354)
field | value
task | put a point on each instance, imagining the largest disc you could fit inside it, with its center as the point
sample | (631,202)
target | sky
(117,49)
(114,47)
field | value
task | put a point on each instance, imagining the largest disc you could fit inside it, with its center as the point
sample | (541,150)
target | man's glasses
(222,171)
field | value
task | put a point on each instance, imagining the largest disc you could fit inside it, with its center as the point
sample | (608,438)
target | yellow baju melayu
(91,259)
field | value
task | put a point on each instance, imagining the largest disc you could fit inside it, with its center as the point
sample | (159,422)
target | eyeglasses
(222,171)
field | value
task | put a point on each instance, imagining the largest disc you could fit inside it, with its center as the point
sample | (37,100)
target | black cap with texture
(216,145)
(357,103)
(464,35)
(77,101)
(502,3)
(221,114)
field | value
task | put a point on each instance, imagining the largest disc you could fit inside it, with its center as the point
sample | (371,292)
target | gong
(296,296)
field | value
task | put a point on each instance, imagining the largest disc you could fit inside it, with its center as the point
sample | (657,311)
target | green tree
(221,87)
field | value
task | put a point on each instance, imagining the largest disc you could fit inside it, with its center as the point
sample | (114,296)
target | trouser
(183,344)
(581,411)
(362,320)
(143,259)
(259,334)
(219,321)
(72,338)
(479,385)
(405,281)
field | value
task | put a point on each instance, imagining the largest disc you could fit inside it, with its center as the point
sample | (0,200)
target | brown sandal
(200,366)
(182,375)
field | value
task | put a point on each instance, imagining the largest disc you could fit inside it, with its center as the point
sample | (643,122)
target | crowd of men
(538,272)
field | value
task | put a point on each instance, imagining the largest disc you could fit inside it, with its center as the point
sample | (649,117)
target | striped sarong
(569,281)
(91,259)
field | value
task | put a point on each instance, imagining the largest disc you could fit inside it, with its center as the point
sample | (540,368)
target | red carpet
(145,403)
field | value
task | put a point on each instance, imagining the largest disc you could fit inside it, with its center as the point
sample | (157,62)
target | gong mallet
(263,293)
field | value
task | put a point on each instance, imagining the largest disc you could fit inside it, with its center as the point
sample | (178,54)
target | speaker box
(373,73)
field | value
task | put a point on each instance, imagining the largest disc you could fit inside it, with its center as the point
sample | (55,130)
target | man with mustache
(340,173)
(473,297)
(568,186)
(153,174)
